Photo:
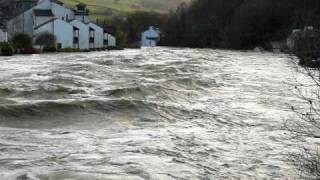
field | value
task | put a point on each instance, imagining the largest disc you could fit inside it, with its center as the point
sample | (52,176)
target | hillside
(119,7)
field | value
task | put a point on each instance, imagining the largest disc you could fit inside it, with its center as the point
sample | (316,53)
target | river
(159,113)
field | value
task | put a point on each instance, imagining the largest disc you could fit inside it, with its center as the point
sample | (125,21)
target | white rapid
(160,113)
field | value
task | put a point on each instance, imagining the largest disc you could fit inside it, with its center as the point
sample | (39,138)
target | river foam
(159,113)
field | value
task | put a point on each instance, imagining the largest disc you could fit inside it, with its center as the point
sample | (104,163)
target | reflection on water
(146,114)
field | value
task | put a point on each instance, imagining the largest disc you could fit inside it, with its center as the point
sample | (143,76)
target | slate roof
(51,20)
(43,12)
(109,30)
(40,25)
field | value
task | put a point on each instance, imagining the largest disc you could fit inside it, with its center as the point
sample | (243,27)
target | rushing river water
(146,114)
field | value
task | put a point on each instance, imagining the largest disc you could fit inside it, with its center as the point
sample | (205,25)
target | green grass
(103,8)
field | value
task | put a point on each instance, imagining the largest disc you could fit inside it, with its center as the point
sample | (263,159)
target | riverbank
(8,51)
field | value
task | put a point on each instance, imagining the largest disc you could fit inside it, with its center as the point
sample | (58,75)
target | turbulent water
(147,114)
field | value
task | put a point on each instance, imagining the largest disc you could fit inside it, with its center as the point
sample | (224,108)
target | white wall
(62,12)
(61,29)
(1,35)
(99,33)
(41,19)
(112,42)
(28,22)
(149,43)
(45,28)
(64,33)
(149,34)
(83,33)
(84,19)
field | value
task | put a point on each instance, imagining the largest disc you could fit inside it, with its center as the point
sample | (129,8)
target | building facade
(71,27)
(109,37)
(83,37)
(3,36)
(97,36)
(63,31)
(151,37)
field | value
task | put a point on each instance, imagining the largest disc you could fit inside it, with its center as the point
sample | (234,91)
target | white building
(109,38)
(3,36)
(96,36)
(151,37)
(112,41)
(72,28)
(83,38)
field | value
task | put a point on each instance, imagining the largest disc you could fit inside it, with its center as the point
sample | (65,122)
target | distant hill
(119,7)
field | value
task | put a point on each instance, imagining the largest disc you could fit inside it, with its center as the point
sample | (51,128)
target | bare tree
(307,127)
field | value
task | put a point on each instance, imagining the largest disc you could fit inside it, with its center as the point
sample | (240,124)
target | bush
(49,49)
(306,128)
(46,39)
(21,41)
(6,49)
(119,48)
(308,163)
(130,46)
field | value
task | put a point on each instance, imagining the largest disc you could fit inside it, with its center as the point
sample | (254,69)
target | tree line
(238,24)
(234,24)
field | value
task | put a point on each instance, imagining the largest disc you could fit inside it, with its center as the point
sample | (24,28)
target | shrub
(6,49)
(49,49)
(306,127)
(46,39)
(21,41)
(118,48)
(307,163)
(85,50)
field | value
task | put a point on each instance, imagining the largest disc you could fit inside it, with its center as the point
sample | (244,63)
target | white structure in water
(71,27)
(151,37)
